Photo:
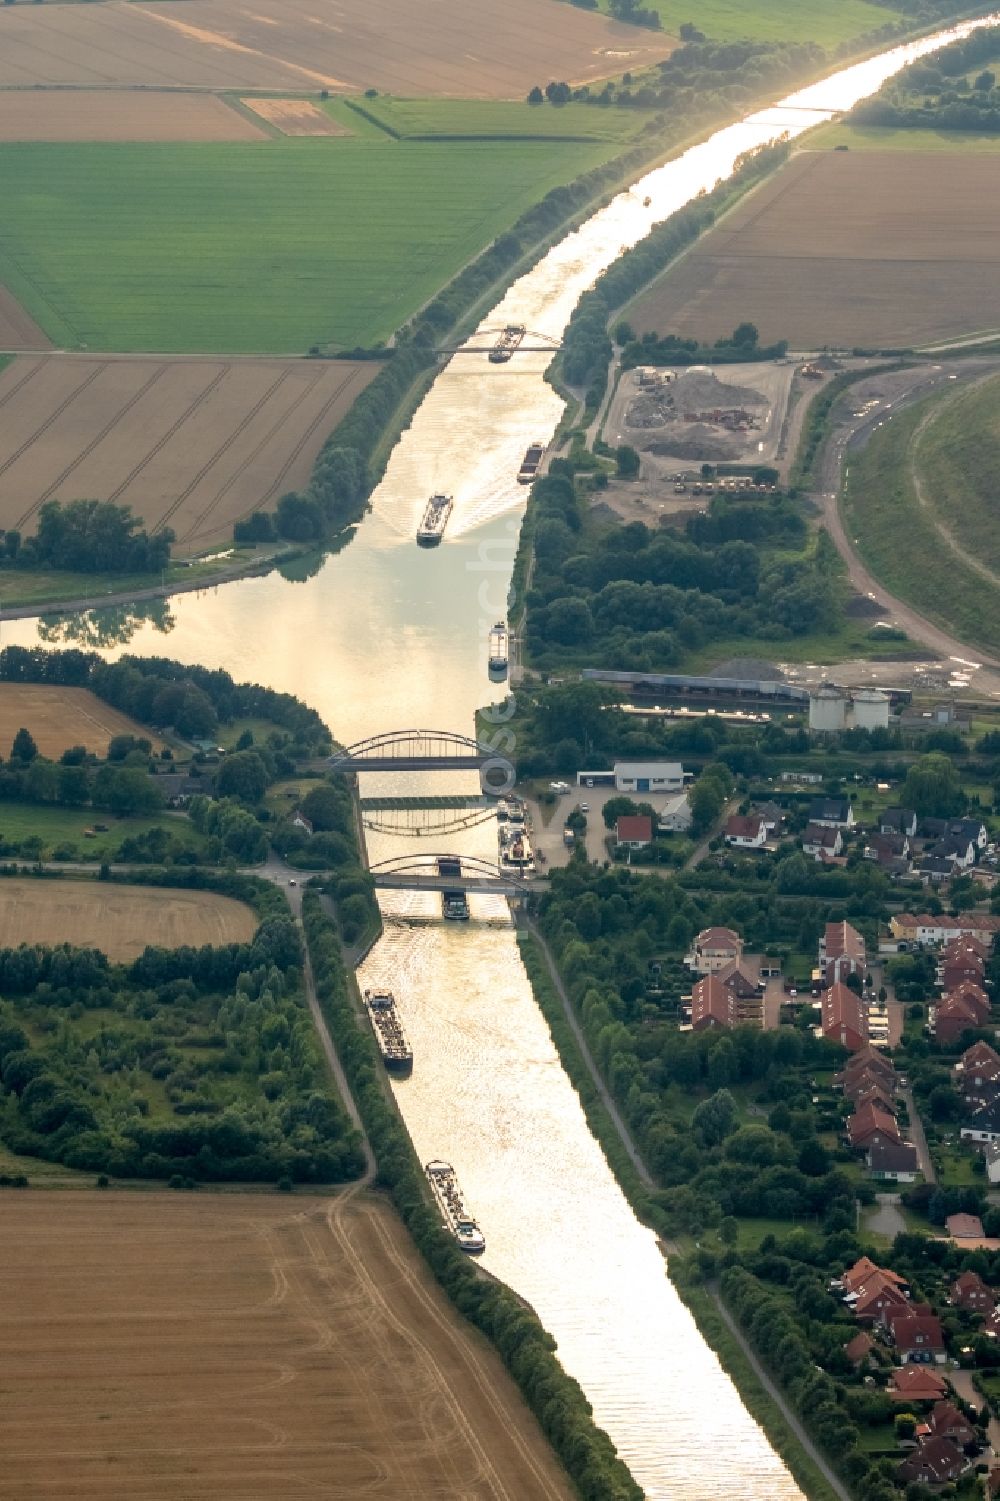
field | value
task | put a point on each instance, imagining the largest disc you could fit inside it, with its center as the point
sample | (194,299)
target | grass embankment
(881,507)
(773,20)
(57,826)
(24,587)
(888,138)
(265,246)
(957,459)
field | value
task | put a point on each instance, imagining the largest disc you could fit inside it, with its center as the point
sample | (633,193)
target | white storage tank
(828,709)
(870,710)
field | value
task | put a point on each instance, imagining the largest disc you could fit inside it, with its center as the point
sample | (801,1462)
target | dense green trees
(221,1035)
(93,536)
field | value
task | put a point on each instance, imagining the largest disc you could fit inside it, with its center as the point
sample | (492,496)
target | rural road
(850,436)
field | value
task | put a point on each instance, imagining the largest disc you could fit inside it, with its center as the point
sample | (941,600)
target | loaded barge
(499,657)
(457,1219)
(397,1055)
(431,529)
(531,463)
(507,343)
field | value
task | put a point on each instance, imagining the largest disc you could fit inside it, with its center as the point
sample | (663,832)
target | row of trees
(88,536)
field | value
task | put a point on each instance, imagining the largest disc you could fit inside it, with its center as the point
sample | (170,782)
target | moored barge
(499,658)
(457,1218)
(397,1055)
(530,464)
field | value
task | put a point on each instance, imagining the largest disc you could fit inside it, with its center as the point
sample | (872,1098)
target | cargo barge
(499,658)
(530,464)
(457,1219)
(454,906)
(397,1055)
(435,519)
(507,343)
(515,851)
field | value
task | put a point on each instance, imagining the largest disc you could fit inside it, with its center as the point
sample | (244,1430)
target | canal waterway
(383,636)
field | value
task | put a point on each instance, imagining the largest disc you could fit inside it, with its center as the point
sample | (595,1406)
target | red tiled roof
(917,1384)
(712,1001)
(919,1331)
(857,1348)
(744,826)
(634,828)
(964,1226)
(868,1119)
(841,939)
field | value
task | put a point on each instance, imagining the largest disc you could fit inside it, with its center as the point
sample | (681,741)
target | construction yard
(191,444)
(451,48)
(119,920)
(245,1346)
(845,249)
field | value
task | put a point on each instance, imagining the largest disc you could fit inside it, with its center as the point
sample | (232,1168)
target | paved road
(918,1138)
(791,1418)
(851,436)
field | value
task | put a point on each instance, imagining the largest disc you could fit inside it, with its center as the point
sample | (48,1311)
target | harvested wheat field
(119,920)
(296,117)
(59,717)
(193,444)
(494,49)
(104,115)
(218,1347)
(846,249)
(17,330)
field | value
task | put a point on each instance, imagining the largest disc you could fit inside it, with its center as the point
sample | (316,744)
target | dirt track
(202,1348)
(490,49)
(109,115)
(191,444)
(845,249)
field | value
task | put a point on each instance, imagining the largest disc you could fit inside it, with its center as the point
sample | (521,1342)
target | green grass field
(880,506)
(263,247)
(957,456)
(773,20)
(885,138)
(494,119)
(56,826)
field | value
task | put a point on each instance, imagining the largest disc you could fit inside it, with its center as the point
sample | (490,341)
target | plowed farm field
(59,717)
(119,920)
(213,1347)
(104,115)
(190,444)
(845,249)
(494,49)
(17,330)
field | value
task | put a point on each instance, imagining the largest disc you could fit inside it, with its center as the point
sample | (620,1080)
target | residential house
(946,1421)
(675,815)
(964,1226)
(898,821)
(963,1008)
(918,1337)
(961,960)
(634,831)
(859,1348)
(885,848)
(842,953)
(742,980)
(874,1298)
(971,829)
(836,812)
(772,814)
(955,849)
(821,842)
(933,869)
(746,831)
(870,1090)
(934,1463)
(868,1061)
(991,1323)
(914,1383)
(983,1125)
(843,1019)
(857,1275)
(978,1068)
(927,930)
(970,1292)
(870,1124)
(714,948)
(712,1005)
(892,1162)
